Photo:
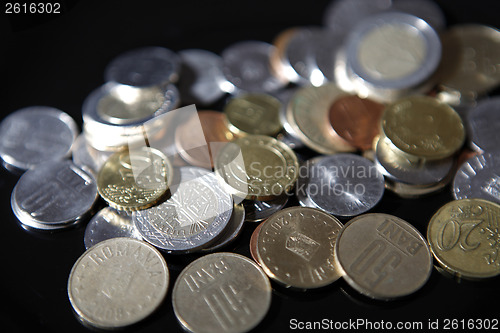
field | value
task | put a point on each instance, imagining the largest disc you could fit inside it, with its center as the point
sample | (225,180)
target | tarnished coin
(257,167)
(478,177)
(144,67)
(34,135)
(296,245)
(463,236)
(221,292)
(232,230)
(135,179)
(423,128)
(192,218)
(117,283)
(253,114)
(484,125)
(258,211)
(109,223)
(383,256)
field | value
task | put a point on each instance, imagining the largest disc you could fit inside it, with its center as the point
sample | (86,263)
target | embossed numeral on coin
(454,232)
(228,306)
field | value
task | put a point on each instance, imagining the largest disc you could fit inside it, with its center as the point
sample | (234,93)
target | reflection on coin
(258,211)
(117,282)
(232,230)
(221,292)
(87,157)
(463,236)
(383,256)
(484,125)
(109,223)
(34,135)
(135,179)
(280,65)
(253,242)
(295,247)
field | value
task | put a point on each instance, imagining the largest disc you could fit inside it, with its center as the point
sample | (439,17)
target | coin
(53,195)
(383,256)
(144,67)
(253,114)
(427,10)
(356,120)
(253,242)
(478,177)
(280,65)
(118,282)
(258,211)
(307,114)
(87,157)
(34,135)
(423,128)
(109,223)
(302,186)
(484,125)
(463,237)
(295,247)
(192,218)
(221,292)
(232,230)
(135,179)
(345,184)
(257,167)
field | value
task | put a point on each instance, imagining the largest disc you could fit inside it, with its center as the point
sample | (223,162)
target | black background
(57,60)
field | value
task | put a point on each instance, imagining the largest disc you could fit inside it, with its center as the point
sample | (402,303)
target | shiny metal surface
(483,124)
(258,211)
(232,230)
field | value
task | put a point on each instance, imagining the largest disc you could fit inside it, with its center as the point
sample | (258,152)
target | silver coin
(484,125)
(109,223)
(88,158)
(383,256)
(301,187)
(289,137)
(232,230)
(117,283)
(35,134)
(53,194)
(144,67)
(221,292)
(246,66)
(202,81)
(258,211)
(478,177)
(192,218)
(345,184)
(427,10)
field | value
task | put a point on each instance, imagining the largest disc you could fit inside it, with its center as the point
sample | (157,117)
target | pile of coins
(330,116)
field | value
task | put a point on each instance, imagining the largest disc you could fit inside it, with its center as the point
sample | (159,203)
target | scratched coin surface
(221,292)
(117,283)
(53,194)
(464,238)
(484,125)
(383,256)
(192,218)
(134,179)
(34,135)
(296,245)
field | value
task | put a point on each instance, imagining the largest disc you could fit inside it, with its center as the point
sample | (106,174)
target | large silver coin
(246,66)
(144,67)
(232,231)
(345,184)
(383,256)
(192,218)
(53,194)
(478,177)
(484,125)
(34,135)
(109,223)
(221,292)
(117,283)
(258,211)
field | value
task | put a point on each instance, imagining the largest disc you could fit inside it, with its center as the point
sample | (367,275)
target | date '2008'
(32,8)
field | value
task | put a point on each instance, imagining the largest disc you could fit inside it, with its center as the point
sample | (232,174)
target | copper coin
(356,120)
(253,243)
(197,148)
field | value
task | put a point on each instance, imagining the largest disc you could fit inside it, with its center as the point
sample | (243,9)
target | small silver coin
(221,292)
(53,194)
(232,231)
(258,211)
(383,256)
(484,125)
(144,67)
(202,80)
(345,184)
(246,66)
(192,218)
(88,158)
(109,223)
(117,283)
(478,177)
(35,134)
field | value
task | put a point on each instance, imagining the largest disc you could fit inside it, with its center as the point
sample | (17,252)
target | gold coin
(308,115)
(253,114)
(464,236)
(135,179)
(257,167)
(423,128)
(295,247)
